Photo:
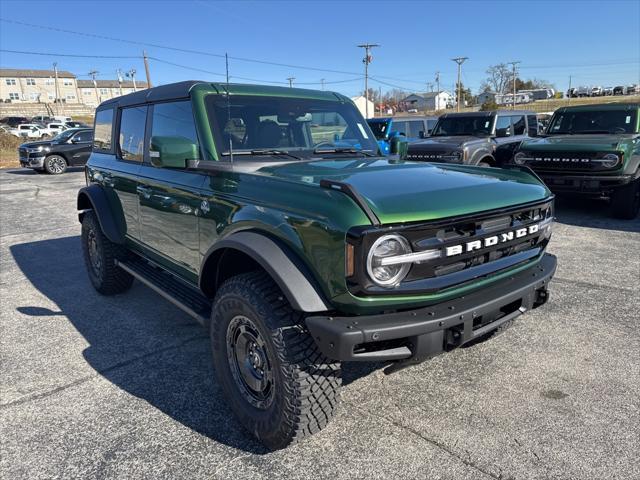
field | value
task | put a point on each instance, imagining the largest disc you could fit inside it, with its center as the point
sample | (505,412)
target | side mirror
(422,134)
(399,145)
(502,132)
(172,152)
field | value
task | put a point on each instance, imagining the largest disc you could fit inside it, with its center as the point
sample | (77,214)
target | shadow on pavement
(136,341)
(592,213)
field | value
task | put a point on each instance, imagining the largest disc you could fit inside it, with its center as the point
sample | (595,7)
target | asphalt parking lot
(122,387)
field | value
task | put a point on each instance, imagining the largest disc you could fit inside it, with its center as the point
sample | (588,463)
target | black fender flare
(481,153)
(285,269)
(94,197)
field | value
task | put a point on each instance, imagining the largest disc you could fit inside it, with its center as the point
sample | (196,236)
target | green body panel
(180,214)
(627,144)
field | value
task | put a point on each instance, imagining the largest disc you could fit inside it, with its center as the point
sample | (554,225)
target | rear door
(169,198)
(79,147)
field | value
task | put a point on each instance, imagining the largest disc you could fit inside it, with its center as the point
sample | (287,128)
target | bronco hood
(577,143)
(412,191)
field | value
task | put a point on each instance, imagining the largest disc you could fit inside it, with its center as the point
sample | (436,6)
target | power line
(48,54)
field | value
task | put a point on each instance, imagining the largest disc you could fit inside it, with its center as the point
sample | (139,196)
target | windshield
(252,123)
(379,128)
(479,126)
(62,136)
(608,121)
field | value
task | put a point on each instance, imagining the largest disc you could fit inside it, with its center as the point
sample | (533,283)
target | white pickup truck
(28,130)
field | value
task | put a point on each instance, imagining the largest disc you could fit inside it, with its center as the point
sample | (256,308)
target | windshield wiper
(366,153)
(582,132)
(265,151)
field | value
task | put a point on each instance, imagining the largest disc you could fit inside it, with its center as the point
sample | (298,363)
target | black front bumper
(585,184)
(425,332)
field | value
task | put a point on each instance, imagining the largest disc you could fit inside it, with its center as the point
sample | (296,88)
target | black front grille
(427,155)
(470,247)
(567,161)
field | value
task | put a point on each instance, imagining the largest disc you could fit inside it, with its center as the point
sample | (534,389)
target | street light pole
(367,60)
(459,61)
(93,74)
(291,79)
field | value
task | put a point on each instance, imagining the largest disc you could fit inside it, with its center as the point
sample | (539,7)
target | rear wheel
(55,164)
(276,381)
(625,202)
(100,255)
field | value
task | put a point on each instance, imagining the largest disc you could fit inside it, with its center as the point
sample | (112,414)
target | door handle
(144,191)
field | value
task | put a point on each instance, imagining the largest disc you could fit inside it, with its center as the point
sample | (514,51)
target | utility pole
(119,74)
(437,90)
(569,91)
(322,83)
(146,68)
(513,66)
(380,99)
(459,61)
(430,86)
(291,79)
(367,60)
(55,70)
(132,75)
(93,74)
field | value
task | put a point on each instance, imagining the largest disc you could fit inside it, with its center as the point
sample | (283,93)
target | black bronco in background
(69,148)
(487,139)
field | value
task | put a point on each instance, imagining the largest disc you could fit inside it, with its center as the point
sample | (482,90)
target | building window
(10,81)
(104,91)
(71,97)
(34,97)
(86,92)
(31,81)
(67,82)
(51,96)
(49,81)
(14,96)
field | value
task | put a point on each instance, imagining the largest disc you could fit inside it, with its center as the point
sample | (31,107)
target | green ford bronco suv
(591,150)
(267,214)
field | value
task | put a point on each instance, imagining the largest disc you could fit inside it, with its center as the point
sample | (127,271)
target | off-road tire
(625,201)
(55,165)
(305,383)
(109,279)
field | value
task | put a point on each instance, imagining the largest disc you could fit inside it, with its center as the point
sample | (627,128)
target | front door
(79,147)
(170,200)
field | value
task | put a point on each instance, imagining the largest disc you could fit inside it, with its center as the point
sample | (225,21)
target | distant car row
(598,91)
(39,126)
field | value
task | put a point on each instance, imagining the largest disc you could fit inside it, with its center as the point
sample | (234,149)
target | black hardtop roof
(181,90)
(171,91)
(488,113)
(599,107)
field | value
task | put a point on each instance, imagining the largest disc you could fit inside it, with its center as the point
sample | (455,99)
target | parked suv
(264,213)
(591,150)
(71,147)
(388,130)
(487,139)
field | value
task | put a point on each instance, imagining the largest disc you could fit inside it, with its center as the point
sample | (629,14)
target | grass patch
(9,150)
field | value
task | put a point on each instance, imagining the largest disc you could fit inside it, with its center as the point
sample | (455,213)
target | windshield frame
(366,140)
(557,117)
(64,135)
(444,118)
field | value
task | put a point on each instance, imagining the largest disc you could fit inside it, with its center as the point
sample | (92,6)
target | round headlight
(456,156)
(520,158)
(610,160)
(388,246)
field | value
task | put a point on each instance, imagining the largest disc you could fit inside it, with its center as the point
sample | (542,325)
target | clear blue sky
(598,42)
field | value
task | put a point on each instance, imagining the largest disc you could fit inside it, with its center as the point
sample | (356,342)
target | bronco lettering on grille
(490,241)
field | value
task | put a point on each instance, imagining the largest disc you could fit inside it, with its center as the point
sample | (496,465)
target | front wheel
(625,202)
(55,164)
(276,381)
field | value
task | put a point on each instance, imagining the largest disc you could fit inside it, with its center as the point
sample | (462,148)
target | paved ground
(122,387)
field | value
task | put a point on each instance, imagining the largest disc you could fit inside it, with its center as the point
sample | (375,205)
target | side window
(83,137)
(131,136)
(519,125)
(103,128)
(503,126)
(415,128)
(400,127)
(174,119)
(532,120)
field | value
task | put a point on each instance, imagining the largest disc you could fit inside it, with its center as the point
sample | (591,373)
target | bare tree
(499,78)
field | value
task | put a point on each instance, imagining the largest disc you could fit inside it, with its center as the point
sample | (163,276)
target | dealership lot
(123,386)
